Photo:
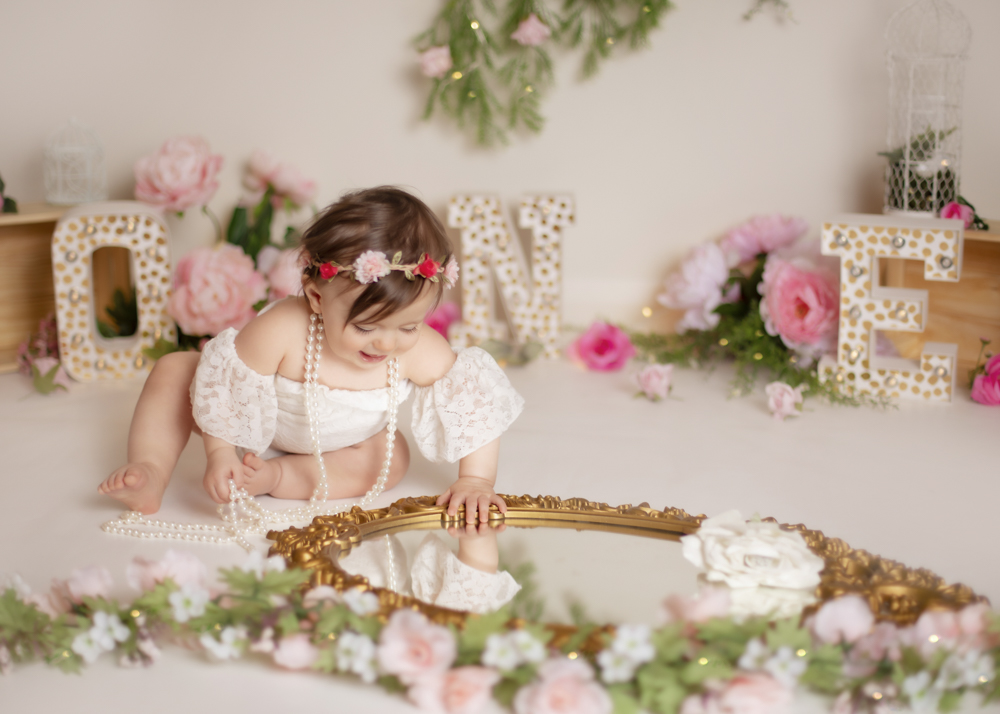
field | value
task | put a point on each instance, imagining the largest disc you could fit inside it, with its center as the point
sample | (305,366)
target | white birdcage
(926,46)
(74,166)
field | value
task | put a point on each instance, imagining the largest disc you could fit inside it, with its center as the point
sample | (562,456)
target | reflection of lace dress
(436,577)
(469,407)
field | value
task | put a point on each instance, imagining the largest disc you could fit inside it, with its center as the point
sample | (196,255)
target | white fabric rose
(745,555)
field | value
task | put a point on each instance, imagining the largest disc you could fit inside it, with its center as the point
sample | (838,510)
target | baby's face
(366,342)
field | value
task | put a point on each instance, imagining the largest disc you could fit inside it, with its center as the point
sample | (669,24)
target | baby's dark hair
(385,219)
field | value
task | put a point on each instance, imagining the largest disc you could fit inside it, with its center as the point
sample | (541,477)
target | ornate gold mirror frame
(894,592)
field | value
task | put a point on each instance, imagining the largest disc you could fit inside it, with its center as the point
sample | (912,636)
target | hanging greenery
(491,65)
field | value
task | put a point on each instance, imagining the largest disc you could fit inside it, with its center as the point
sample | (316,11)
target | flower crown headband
(372,265)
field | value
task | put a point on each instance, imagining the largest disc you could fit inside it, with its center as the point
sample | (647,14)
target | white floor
(919,484)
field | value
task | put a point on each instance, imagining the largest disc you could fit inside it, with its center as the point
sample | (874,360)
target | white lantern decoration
(927,43)
(74,166)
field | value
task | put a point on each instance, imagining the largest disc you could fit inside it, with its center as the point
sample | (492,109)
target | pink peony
(564,686)
(451,272)
(959,211)
(708,603)
(411,647)
(762,234)
(697,288)
(180,175)
(531,31)
(800,305)
(44,365)
(180,567)
(782,400)
(752,693)
(603,347)
(370,266)
(436,61)
(283,269)
(655,381)
(295,652)
(286,181)
(986,387)
(442,316)
(215,288)
(463,690)
(846,619)
(92,581)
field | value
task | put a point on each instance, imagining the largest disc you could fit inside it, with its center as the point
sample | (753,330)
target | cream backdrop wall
(720,119)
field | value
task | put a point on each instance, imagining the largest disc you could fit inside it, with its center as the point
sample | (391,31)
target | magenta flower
(603,348)
(986,387)
(442,316)
(959,211)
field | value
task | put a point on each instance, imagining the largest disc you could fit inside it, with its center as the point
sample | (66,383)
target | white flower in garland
(229,645)
(356,653)
(257,564)
(361,602)
(188,602)
(511,650)
(87,646)
(630,648)
(615,666)
(786,666)
(922,694)
(754,656)
(965,670)
(108,629)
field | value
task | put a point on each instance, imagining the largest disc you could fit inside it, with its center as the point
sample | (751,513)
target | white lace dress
(469,407)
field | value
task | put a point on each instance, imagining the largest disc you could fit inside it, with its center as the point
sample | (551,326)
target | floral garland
(701,661)
(492,79)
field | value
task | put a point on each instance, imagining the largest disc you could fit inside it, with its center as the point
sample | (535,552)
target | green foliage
(123,315)
(46,383)
(528,604)
(250,229)
(7,204)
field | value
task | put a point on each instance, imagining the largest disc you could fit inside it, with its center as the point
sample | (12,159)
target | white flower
(965,670)
(923,697)
(356,653)
(697,288)
(754,656)
(615,666)
(528,646)
(786,666)
(370,266)
(361,602)
(87,646)
(745,554)
(776,603)
(266,642)
(633,641)
(108,629)
(501,652)
(228,646)
(257,564)
(188,602)
(319,595)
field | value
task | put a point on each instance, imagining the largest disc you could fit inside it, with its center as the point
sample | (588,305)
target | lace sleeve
(440,578)
(467,408)
(230,400)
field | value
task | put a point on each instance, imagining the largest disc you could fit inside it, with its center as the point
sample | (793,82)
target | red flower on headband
(428,268)
(328,270)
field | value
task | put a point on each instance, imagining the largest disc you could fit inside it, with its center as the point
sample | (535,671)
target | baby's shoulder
(263,343)
(428,360)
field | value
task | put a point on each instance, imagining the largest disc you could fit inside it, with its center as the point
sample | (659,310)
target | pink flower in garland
(986,387)
(436,61)
(180,175)
(462,690)
(531,31)
(411,647)
(801,306)
(603,348)
(751,693)
(564,686)
(960,211)
(295,652)
(370,266)
(762,234)
(451,272)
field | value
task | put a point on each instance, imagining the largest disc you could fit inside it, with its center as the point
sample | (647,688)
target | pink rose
(411,647)
(986,387)
(531,31)
(451,272)
(180,567)
(782,400)
(287,181)
(283,269)
(752,693)
(708,603)
(655,381)
(180,175)
(44,365)
(436,61)
(801,306)
(564,686)
(370,266)
(846,619)
(295,652)
(215,288)
(697,288)
(92,581)
(762,234)
(959,211)
(882,642)
(53,603)
(603,347)
(442,316)
(463,690)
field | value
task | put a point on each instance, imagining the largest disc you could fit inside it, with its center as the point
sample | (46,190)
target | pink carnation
(708,603)
(655,381)
(451,272)
(564,686)
(215,288)
(463,690)
(286,180)
(782,400)
(442,317)
(846,619)
(283,269)
(92,581)
(370,266)
(411,647)
(697,288)
(762,234)
(986,387)
(800,305)
(531,31)
(180,175)
(959,211)
(295,652)
(436,61)
(182,568)
(603,347)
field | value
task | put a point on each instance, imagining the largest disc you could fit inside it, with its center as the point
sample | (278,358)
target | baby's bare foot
(260,476)
(139,486)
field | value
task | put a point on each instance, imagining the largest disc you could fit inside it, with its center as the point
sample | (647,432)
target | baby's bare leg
(161,426)
(350,471)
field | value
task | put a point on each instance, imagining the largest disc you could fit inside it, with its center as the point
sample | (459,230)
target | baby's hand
(223,465)
(476,493)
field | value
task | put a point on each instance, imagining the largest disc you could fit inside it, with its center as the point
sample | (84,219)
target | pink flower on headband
(328,270)
(451,272)
(428,267)
(370,266)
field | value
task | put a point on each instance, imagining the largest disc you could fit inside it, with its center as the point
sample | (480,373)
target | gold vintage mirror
(631,560)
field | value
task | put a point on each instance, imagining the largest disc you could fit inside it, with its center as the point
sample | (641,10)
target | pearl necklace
(243,515)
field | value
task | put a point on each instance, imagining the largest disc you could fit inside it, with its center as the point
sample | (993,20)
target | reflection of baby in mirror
(468,581)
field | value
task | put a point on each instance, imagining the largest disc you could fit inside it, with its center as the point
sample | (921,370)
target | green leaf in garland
(670,643)
(950,700)
(623,699)
(288,623)
(478,628)
(397,258)
(331,621)
(160,347)
(825,669)
(46,383)
(788,633)
(391,684)
(660,689)
(9,205)
(236,232)
(707,664)
(326,661)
